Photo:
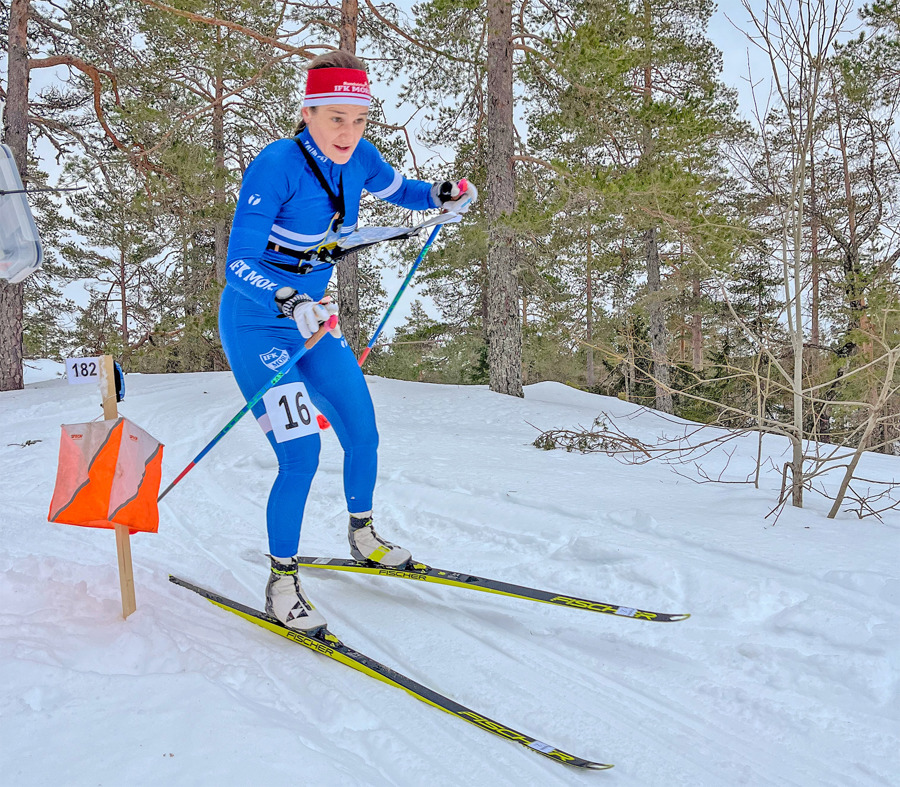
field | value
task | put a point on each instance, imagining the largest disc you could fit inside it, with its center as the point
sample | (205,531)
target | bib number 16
(290,411)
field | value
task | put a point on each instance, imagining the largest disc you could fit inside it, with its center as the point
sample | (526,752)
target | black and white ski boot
(286,601)
(367,545)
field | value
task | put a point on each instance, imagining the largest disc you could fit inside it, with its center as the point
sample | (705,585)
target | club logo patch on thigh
(275,358)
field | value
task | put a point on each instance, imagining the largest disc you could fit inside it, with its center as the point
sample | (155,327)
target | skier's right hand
(454,197)
(307,313)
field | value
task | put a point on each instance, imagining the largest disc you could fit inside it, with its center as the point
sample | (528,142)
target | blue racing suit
(283,204)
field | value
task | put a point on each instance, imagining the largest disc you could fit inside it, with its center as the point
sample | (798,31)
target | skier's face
(336,129)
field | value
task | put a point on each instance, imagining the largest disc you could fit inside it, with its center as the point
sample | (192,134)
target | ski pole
(406,281)
(308,345)
(463,187)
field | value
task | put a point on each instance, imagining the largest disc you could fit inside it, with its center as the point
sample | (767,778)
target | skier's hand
(307,313)
(454,197)
(331,308)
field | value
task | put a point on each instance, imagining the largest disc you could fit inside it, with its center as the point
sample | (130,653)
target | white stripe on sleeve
(395,185)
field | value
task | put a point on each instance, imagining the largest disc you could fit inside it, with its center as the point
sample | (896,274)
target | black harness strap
(337,221)
(337,203)
(337,200)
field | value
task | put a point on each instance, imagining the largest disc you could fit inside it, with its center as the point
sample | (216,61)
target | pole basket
(108,475)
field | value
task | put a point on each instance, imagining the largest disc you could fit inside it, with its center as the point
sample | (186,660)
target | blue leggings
(255,341)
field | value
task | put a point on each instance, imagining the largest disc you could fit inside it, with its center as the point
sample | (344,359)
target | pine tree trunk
(696,327)
(504,332)
(589,322)
(349,17)
(629,359)
(655,311)
(348,268)
(854,284)
(348,301)
(15,134)
(657,318)
(123,294)
(797,474)
(218,145)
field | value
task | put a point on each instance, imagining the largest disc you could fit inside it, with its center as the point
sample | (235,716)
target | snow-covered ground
(786,673)
(41,369)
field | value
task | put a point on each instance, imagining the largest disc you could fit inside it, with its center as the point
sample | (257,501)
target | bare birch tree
(797,38)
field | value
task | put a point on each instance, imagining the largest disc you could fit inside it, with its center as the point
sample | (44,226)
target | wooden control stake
(123,538)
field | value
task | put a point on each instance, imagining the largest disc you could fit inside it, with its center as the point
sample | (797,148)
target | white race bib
(291,413)
(82,370)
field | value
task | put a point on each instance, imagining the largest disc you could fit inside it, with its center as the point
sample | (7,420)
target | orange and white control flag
(109,474)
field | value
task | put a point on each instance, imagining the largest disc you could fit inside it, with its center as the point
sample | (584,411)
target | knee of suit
(368,442)
(297,460)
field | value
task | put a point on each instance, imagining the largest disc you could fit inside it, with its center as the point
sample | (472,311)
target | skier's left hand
(330,305)
(454,197)
(307,313)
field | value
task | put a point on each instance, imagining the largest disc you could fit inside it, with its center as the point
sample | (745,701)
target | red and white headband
(337,86)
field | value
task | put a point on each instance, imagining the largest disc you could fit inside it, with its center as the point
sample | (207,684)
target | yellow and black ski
(423,573)
(329,645)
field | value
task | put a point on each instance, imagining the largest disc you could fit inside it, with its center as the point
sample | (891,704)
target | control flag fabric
(109,473)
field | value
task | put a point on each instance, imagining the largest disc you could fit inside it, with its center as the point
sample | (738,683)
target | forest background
(638,234)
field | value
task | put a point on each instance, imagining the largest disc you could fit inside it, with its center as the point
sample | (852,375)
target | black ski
(424,573)
(329,645)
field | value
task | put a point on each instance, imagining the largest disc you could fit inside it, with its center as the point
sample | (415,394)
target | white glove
(454,197)
(307,313)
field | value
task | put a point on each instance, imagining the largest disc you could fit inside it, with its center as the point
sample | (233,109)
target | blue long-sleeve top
(282,201)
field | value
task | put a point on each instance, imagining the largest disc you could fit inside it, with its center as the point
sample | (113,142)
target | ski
(424,573)
(329,645)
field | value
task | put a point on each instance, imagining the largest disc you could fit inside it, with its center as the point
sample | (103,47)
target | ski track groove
(622,685)
(614,691)
(392,651)
(461,622)
(507,537)
(343,681)
(221,658)
(380,648)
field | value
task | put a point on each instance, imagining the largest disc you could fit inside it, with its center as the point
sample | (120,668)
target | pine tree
(121,262)
(632,112)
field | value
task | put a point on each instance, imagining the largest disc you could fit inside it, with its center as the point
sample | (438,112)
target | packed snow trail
(786,673)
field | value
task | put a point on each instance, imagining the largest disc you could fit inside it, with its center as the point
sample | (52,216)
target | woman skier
(298,198)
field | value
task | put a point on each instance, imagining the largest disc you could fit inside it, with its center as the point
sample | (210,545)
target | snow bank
(41,369)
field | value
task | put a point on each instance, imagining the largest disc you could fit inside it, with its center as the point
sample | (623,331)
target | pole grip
(329,325)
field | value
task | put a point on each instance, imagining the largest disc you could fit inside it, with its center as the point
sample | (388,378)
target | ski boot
(367,546)
(286,601)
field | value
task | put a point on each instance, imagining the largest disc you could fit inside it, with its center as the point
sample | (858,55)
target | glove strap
(288,301)
(445,193)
